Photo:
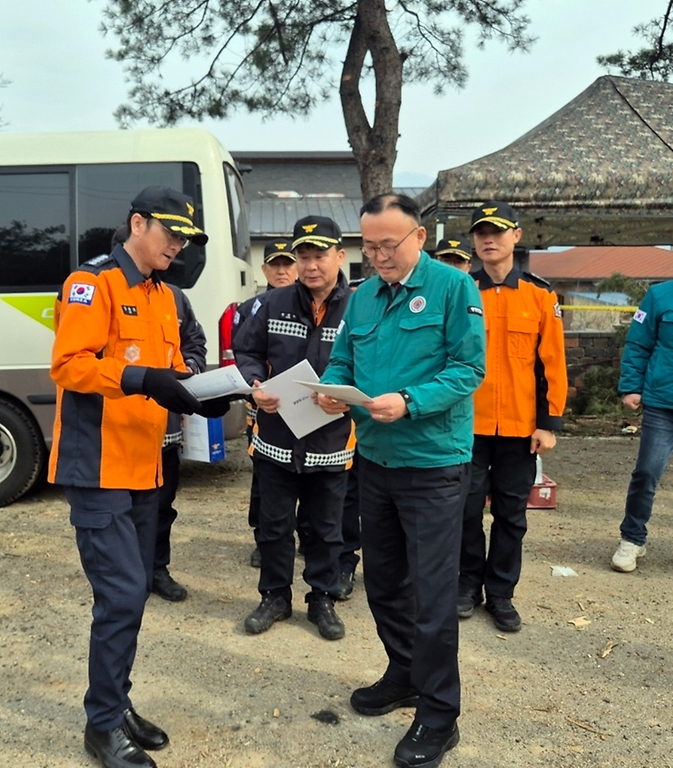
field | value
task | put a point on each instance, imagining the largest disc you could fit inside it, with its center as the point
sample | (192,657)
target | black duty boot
(116,749)
(272,608)
(164,585)
(382,697)
(321,612)
(346,583)
(145,734)
(423,747)
(468,599)
(505,615)
(256,558)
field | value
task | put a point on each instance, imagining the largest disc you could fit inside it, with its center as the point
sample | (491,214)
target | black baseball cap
(280,247)
(494,212)
(316,230)
(173,209)
(459,246)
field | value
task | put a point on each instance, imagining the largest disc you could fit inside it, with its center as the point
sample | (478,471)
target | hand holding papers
(343,392)
(296,405)
(217,383)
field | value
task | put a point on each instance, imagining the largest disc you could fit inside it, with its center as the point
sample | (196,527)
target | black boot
(321,612)
(145,734)
(115,749)
(164,585)
(272,608)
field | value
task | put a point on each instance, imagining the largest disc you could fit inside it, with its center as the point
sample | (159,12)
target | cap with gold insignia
(457,246)
(316,230)
(173,209)
(279,247)
(494,212)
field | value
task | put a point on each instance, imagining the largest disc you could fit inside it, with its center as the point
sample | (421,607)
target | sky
(53,54)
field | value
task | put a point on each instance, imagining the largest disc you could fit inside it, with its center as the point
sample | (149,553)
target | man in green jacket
(412,339)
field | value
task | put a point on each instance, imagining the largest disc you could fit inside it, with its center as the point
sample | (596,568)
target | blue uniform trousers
(170,469)
(411,524)
(116,533)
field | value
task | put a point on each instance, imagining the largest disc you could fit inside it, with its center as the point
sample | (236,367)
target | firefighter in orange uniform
(117,365)
(517,408)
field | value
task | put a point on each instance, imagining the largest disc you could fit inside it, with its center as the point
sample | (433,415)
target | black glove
(215,408)
(163,385)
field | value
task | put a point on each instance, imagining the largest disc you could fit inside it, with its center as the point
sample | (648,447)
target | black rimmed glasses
(387,251)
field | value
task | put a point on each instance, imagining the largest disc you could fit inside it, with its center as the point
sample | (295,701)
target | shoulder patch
(557,310)
(639,316)
(97,260)
(472,310)
(533,278)
(81,293)
(237,318)
(255,307)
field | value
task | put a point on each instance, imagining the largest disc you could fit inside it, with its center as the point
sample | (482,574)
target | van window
(34,230)
(237,217)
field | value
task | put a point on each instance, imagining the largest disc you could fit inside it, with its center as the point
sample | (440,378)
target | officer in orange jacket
(117,365)
(517,408)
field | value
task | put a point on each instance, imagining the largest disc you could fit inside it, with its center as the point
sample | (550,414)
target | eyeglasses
(178,240)
(388,251)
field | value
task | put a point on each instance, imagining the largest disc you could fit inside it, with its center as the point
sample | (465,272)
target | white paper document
(343,392)
(297,408)
(217,383)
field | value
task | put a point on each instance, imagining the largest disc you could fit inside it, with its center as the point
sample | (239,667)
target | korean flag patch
(81,293)
(255,307)
(640,316)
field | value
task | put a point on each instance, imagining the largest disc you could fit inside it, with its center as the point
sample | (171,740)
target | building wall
(584,349)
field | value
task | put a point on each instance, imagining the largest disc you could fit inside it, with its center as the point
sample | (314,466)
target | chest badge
(132,353)
(417,304)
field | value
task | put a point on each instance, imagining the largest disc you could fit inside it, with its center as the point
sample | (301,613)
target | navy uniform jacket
(281,334)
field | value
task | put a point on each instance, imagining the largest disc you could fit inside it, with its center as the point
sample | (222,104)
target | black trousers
(505,468)
(411,523)
(116,532)
(322,495)
(350,526)
(170,458)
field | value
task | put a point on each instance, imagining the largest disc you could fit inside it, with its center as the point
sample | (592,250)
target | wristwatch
(407,401)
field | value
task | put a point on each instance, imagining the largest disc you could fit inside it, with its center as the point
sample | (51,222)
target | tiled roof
(596,262)
(597,171)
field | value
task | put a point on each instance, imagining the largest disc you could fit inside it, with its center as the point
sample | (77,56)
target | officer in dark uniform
(299,322)
(117,364)
(280,269)
(455,251)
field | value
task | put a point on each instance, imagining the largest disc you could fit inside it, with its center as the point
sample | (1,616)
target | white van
(62,196)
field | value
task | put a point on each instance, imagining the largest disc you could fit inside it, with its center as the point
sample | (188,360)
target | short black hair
(388,200)
(120,236)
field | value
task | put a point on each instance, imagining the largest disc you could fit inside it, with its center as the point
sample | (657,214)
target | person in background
(455,251)
(280,269)
(292,324)
(517,408)
(413,340)
(117,365)
(647,380)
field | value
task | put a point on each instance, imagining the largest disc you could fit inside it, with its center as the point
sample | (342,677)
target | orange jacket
(526,382)
(107,317)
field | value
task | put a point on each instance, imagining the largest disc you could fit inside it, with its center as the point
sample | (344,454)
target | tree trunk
(374,146)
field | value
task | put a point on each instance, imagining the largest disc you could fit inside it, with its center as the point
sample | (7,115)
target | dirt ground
(587,682)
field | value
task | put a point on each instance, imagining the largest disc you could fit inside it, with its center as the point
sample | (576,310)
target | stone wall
(584,349)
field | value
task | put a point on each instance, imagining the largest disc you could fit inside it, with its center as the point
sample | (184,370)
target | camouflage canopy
(598,171)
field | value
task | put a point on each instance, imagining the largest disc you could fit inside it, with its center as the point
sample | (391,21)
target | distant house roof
(597,262)
(608,298)
(269,218)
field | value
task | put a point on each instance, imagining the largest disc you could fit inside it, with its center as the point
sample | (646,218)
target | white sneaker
(625,557)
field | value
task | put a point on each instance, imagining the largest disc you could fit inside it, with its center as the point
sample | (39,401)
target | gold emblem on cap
(308,227)
(280,246)
(489,211)
(454,243)
(190,209)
